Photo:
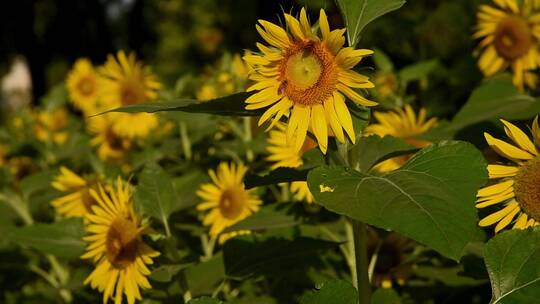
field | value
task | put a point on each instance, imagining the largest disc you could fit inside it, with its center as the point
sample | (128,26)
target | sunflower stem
(349,252)
(186,142)
(361,259)
(247,138)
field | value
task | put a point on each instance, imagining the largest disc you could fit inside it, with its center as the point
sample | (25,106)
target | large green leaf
(430,199)
(269,217)
(155,193)
(495,99)
(335,292)
(203,278)
(279,175)
(248,256)
(513,262)
(374,149)
(232,105)
(63,238)
(385,296)
(358,13)
(205,300)
(185,186)
(418,70)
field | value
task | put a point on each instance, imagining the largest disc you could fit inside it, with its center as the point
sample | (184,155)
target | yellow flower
(307,76)
(82,84)
(404,124)
(284,154)
(114,234)
(206,92)
(77,202)
(386,84)
(111,147)
(49,126)
(127,82)
(226,198)
(516,187)
(510,35)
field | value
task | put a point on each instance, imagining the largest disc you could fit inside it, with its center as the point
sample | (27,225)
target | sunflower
(50,126)
(82,84)
(510,34)
(127,82)
(283,154)
(226,199)
(77,202)
(116,246)
(111,147)
(307,76)
(401,123)
(516,187)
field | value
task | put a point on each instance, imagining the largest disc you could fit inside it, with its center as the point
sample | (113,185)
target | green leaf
(165,273)
(385,296)
(382,61)
(232,105)
(37,182)
(269,217)
(374,149)
(360,116)
(184,187)
(358,13)
(248,256)
(205,300)
(155,194)
(63,238)
(203,278)
(495,99)
(335,292)
(430,199)
(513,262)
(417,71)
(279,175)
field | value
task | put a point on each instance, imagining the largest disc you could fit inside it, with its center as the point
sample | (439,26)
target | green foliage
(513,262)
(373,149)
(62,238)
(385,296)
(279,175)
(269,217)
(335,291)
(358,13)
(430,199)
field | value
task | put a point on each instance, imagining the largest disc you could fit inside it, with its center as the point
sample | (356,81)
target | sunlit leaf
(513,263)
(430,199)
(374,149)
(358,13)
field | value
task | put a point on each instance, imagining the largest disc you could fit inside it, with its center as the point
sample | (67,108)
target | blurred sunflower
(82,84)
(226,199)
(116,246)
(110,146)
(516,185)
(77,202)
(401,123)
(284,154)
(307,76)
(127,82)
(510,34)
(230,77)
(50,126)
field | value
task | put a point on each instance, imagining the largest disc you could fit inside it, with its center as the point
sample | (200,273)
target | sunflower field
(268,152)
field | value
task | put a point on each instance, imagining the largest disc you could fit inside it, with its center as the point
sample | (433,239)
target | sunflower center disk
(132,93)
(86,86)
(122,242)
(527,188)
(231,203)
(308,73)
(513,38)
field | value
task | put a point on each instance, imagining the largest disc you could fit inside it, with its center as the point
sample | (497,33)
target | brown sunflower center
(231,203)
(86,85)
(114,141)
(122,242)
(527,188)
(308,73)
(513,38)
(132,93)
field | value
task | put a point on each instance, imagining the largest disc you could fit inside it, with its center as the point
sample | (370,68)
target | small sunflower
(82,84)
(111,147)
(306,76)
(226,199)
(284,154)
(401,123)
(227,77)
(116,246)
(50,126)
(77,202)
(127,82)
(516,187)
(510,35)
